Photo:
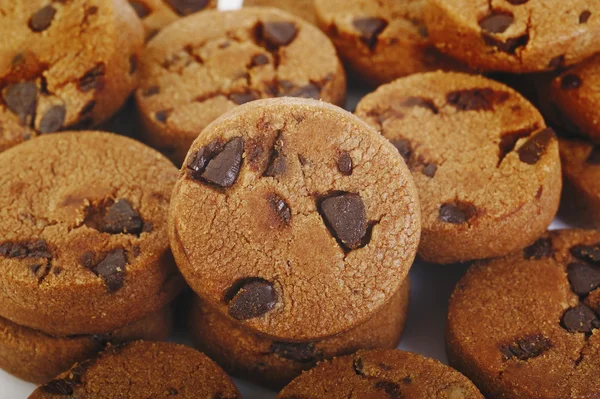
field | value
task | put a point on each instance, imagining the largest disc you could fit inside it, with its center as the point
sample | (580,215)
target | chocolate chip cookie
(276,363)
(84,246)
(572,99)
(64,65)
(381,374)
(156,14)
(381,40)
(486,166)
(515,35)
(309,220)
(206,64)
(302,8)
(527,325)
(580,203)
(34,356)
(141,370)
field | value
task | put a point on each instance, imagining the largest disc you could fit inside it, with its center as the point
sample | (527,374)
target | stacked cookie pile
(294,222)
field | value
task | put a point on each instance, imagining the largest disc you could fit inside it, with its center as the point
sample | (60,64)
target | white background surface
(431,285)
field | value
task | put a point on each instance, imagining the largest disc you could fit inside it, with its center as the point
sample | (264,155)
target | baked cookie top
(308,223)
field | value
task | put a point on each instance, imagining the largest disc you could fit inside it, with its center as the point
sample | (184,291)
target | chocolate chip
(497,22)
(450,213)
(112,269)
(133,64)
(580,319)
(162,115)
(370,29)
(121,218)
(571,82)
(26,249)
(278,161)
(540,249)
(345,216)
(278,34)
(187,7)
(251,298)
(53,120)
(344,163)
(588,253)
(150,91)
(173,391)
(517,2)
(59,387)
(531,152)
(594,157)
(358,367)
(42,18)
(557,62)
(509,45)
(280,208)
(140,9)
(584,278)
(309,90)
(584,16)
(476,99)
(404,148)
(508,141)
(420,102)
(390,388)
(301,353)
(259,59)
(430,170)
(93,79)
(525,348)
(243,98)
(21,99)
(224,168)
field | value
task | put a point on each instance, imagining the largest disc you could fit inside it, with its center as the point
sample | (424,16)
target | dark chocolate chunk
(345,216)
(580,319)
(172,391)
(93,79)
(278,161)
(584,278)
(243,98)
(26,249)
(370,28)
(59,387)
(526,347)
(309,90)
(21,99)
(508,141)
(259,59)
(588,253)
(200,160)
(540,249)
(570,82)
(390,388)
(278,34)
(517,2)
(509,45)
(533,150)
(344,163)
(53,119)
(496,22)
(187,7)
(162,115)
(584,16)
(121,218)
(140,9)
(42,18)
(280,208)
(112,269)
(224,167)
(430,170)
(476,99)
(301,353)
(251,298)
(456,214)
(404,148)
(420,102)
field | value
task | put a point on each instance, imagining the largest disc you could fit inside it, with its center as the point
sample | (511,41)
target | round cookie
(381,374)
(515,35)
(65,65)
(381,40)
(309,220)
(208,63)
(34,356)
(487,170)
(274,363)
(156,14)
(573,98)
(84,247)
(141,370)
(304,9)
(580,203)
(526,326)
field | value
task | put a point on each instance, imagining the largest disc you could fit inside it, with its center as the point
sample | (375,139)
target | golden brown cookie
(209,63)
(580,203)
(84,246)
(309,219)
(515,35)
(487,169)
(156,14)
(527,326)
(64,65)
(302,8)
(141,370)
(381,40)
(34,356)
(275,363)
(381,374)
